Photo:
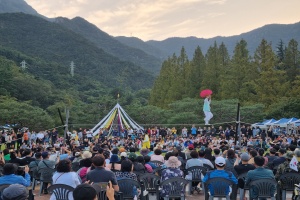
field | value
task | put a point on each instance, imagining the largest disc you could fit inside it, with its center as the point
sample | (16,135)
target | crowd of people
(85,158)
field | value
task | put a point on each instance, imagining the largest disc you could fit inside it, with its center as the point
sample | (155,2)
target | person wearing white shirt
(64,175)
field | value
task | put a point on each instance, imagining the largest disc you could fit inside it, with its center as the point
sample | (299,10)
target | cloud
(159,19)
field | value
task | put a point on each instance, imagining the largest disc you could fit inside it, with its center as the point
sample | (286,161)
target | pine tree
(270,82)
(292,60)
(280,51)
(237,79)
(195,73)
(211,78)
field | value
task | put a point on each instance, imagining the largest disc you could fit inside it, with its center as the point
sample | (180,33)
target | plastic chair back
(150,181)
(60,191)
(157,163)
(196,172)
(219,186)
(264,187)
(174,187)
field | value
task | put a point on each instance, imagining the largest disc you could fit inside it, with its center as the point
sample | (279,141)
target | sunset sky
(161,19)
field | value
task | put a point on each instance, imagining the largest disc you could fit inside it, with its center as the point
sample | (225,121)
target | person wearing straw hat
(171,171)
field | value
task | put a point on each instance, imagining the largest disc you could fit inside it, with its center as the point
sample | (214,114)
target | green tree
(271,82)
(195,73)
(25,114)
(6,75)
(237,80)
(292,60)
(212,73)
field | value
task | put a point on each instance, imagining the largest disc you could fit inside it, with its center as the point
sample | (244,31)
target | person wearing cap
(10,177)
(285,167)
(280,159)
(171,171)
(219,173)
(15,192)
(241,164)
(188,151)
(100,174)
(46,163)
(259,173)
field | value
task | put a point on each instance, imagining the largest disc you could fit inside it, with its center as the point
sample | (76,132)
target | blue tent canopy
(293,119)
(282,121)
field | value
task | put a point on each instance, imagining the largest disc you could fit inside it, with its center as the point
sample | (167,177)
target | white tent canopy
(117,116)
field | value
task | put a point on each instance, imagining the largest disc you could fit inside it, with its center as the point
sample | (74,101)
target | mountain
(140,44)
(15,6)
(111,45)
(51,42)
(272,33)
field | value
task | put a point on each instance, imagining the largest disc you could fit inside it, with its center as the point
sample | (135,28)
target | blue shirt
(206,105)
(13,179)
(219,174)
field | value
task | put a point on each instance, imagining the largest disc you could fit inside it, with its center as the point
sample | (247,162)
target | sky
(161,19)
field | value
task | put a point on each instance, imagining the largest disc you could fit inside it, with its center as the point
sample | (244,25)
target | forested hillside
(269,78)
(37,37)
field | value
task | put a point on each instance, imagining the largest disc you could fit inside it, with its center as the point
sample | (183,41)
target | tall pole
(238,125)
(66,126)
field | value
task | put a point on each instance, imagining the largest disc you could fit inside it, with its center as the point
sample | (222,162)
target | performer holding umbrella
(206,106)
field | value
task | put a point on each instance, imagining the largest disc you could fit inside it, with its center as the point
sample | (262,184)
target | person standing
(206,109)
(54,136)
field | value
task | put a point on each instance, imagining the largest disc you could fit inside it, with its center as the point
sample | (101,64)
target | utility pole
(66,126)
(238,126)
(72,68)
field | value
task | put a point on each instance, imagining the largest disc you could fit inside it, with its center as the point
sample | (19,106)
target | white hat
(220,161)
(124,154)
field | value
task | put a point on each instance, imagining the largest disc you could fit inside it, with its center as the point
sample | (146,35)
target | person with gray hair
(15,192)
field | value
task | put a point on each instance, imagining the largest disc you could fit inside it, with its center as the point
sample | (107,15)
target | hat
(179,148)
(95,149)
(173,162)
(132,156)
(86,154)
(144,151)
(114,158)
(220,161)
(289,155)
(84,191)
(77,154)
(297,154)
(237,147)
(122,149)
(45,154)
(15,191)
(244,157)
(124,154)
(191,146)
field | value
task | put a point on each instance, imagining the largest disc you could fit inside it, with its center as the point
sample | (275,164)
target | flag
(293,164)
